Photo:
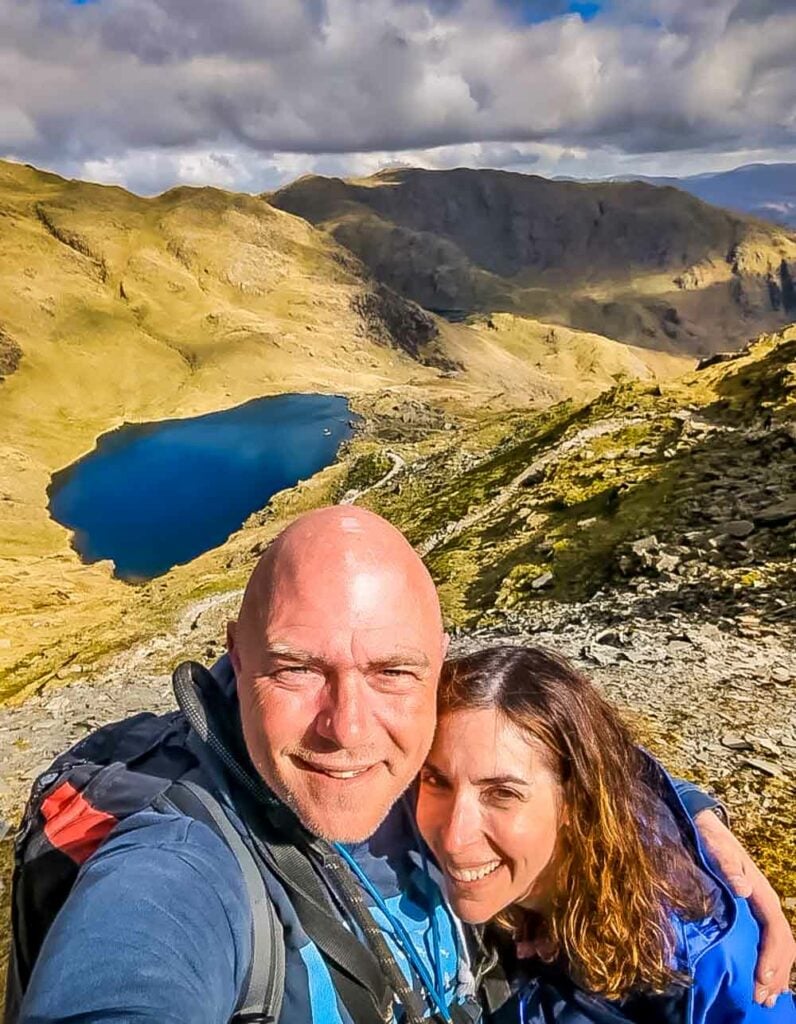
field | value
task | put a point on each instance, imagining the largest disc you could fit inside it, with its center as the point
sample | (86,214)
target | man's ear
(234,657)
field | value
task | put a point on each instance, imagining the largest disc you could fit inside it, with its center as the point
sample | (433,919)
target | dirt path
(538,466)
(398,464)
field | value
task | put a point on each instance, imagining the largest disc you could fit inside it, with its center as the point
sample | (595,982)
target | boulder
(776,515)
(739,528)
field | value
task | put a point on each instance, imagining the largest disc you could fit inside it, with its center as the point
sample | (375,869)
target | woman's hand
(777,950)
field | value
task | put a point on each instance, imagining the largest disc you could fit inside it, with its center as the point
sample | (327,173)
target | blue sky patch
(531,12)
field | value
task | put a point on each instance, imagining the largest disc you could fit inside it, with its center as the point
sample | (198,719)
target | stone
(645,545)
(732,741)
(766,767)
(543,581)
(738,528)
(776,515)
(603,655)
(667,563)
(612,637)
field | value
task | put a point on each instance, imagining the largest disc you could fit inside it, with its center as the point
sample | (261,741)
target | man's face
(338,697)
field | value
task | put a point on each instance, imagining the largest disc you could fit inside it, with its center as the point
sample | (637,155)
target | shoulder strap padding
(262,1000)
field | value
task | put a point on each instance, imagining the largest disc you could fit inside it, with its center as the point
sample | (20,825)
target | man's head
(337,652)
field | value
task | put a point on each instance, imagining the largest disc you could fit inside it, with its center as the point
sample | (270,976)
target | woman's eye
(503,795)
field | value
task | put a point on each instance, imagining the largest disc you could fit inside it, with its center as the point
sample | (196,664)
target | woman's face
(489,808)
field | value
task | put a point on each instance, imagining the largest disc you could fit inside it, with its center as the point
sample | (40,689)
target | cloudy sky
(248,94)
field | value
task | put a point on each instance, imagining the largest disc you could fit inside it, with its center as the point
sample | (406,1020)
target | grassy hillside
(649,266)
(117,309)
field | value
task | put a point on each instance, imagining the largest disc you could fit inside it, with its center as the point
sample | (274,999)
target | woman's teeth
(474,874)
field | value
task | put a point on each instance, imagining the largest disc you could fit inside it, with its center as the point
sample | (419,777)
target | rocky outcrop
(682,495)
(10,354)
(391,320)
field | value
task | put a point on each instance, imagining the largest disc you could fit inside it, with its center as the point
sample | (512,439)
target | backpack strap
(261,1002)
(357,974)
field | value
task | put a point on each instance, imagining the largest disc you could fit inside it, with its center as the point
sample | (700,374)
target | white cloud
(243,93)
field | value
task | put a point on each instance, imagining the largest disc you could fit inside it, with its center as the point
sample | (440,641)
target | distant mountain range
(763,190)
(644,265)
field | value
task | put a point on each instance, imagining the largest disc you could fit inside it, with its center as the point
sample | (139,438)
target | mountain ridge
(767,191)
(644,265)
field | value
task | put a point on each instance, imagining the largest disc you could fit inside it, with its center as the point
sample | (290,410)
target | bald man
(328,697)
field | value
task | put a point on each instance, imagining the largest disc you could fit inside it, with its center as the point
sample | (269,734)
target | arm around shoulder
(156,928)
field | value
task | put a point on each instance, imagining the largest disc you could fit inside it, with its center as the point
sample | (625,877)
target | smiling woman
(548,821)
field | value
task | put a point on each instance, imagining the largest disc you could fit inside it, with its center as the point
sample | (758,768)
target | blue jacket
(719,953)
(158,925)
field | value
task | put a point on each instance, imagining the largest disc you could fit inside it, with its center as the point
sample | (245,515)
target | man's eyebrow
(278,649)
(417,659)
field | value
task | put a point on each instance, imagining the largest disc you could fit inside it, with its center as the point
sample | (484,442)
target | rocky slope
(683,490)
(649,266)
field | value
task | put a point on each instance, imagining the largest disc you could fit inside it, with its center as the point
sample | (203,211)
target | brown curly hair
(621,872)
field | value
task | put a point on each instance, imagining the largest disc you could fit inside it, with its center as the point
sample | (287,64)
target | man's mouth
(342,774)
(475,873)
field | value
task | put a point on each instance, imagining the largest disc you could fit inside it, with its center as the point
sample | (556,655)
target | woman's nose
(461,828)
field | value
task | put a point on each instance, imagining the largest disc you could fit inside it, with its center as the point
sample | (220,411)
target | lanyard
(436,992)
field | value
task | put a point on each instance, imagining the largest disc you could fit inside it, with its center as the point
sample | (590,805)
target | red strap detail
(72,824)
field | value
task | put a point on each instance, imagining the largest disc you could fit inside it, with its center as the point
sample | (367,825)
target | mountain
(648,266)
(763,190)
(115,308)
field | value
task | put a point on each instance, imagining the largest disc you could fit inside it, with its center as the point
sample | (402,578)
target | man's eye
(397,676)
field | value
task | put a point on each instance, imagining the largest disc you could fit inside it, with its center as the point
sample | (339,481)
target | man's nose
(345,718)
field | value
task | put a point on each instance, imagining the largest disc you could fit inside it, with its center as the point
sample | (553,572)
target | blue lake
(154,495)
